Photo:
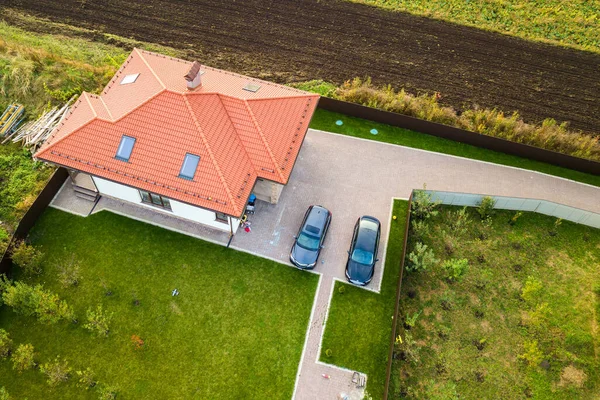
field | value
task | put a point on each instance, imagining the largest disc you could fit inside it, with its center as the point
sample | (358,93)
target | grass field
(360,322)
(326,121)
(236,330)
(520,321)
(574,23)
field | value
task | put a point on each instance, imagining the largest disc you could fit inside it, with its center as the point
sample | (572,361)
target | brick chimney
(193,76)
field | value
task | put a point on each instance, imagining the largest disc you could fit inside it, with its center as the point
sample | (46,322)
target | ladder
(11,118)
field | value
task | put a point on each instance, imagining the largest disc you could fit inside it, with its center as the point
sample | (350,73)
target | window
(155,200)
(251,87)
(125,148)
(188,169)
(220,217)
(129,79)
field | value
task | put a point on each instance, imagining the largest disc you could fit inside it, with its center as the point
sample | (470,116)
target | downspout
(230,232)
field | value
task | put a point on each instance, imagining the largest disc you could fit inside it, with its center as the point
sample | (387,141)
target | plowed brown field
(291,40)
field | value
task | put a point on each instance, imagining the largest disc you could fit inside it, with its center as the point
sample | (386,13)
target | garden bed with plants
(497,302)
(105,305)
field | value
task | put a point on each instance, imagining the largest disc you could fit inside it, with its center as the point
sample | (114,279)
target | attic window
(129,79)
(125,148)
(188,169)
(252,87)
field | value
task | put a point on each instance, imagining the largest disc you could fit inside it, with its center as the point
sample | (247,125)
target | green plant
(515,217)
(531,290)
(86,378)
(4,394)
(23,357)
(329,352)
(410,349)
(69,273)
(342,289)
(56,371)
(35,301)
(411,320)
(98,321)
(455,268)
(422,206)
(419,229)
(532,354)
(486,205)
(6,344)
(421,258)
(459,221)
(106,392)
(28,258)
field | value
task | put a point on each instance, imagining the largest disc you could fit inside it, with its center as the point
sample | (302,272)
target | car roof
(317,217)
(366,238)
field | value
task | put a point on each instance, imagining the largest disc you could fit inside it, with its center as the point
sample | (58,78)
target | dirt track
(286,40)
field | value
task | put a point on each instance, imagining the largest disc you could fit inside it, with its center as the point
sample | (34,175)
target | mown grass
(574,23)
(236,330)
(360,322)
(326,121)
(472,334)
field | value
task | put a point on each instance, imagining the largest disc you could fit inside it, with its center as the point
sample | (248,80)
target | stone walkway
(354,177)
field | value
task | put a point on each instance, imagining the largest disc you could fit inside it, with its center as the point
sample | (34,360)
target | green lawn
(236,330)
(326,121)
(360,322)
(574,23)
(475,337)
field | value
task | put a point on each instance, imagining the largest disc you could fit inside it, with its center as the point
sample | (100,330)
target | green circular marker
(339,122)
(374,131)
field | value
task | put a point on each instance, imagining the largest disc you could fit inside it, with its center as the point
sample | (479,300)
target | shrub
(514,218)
(23,358)
(410,349)
(485,207)
(531,290)
(420,229)
(422,207)
(68,273)
(460,221)
(421,258)
(4,394)
(107,392)
(56,371)
(86,378)
(35,301)
(455,268)
(98,321)
(28,258)
(5,344)
(532,355)
(411,320)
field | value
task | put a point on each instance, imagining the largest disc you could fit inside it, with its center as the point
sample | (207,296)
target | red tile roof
(239,135)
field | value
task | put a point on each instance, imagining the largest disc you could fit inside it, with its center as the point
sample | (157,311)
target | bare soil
(292,40)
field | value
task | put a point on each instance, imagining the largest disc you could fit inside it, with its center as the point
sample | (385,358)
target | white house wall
(179,209)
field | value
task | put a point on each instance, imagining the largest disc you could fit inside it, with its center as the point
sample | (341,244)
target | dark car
(309,240)
(362,255)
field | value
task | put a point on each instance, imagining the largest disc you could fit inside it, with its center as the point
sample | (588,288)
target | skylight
(188,169)
(252,87)
(129,79)
(125,148)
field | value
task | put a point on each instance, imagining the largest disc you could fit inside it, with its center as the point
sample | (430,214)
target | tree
(485,207)
(98,321)
(4,394)
(422,207)
(35,301)
(23,358)
(56,371)
(5,344)
(28,258)
(421,258)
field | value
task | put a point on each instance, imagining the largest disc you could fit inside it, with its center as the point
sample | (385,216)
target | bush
(455,268)
(5,344)
(532,355)
(460,221)
(86,379)
(486,206)
(421,258)
(28,258)
(107,392)
(531,290)
(420,229)
(35,301)
(23,358)
(68,273)
(422,207)
(4,394)
(56,371)
(98,321)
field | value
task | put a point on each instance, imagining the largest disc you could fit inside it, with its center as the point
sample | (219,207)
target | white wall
(182,210)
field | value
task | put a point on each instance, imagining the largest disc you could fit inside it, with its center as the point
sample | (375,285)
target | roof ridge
(211,155)
(299,96)
(106,108)
(264,140)
(87,98)
(149,67)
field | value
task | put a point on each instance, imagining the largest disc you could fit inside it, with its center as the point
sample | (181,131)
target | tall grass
(573,23)
(548,135)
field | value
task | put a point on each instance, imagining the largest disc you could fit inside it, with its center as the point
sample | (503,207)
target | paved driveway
(353,177)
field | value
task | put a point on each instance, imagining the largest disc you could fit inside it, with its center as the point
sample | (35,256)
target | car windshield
(362,256)
(308,242)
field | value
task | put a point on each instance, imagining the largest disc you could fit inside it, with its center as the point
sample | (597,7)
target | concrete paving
(354,177)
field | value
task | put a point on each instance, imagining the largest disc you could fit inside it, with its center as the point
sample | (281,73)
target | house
(183,138)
